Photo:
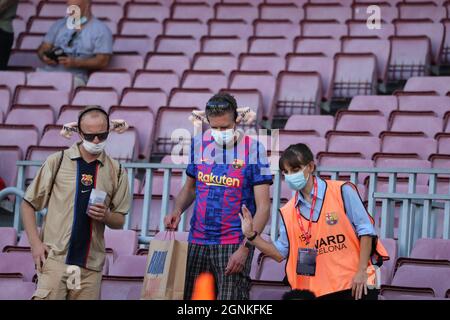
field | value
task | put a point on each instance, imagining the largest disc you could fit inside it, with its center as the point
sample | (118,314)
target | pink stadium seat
(248,98)
(354,74)
(277,45)
(32,95)
(271,270)
(142,119)
(201,11)
(18,262)
(388,292)
(109,10)
(225,27)
(69,113)
(436,249)
(177,62)
(316,144)
(5,100)
(12,79)
(128,266)
(420,10)
(384,104)
(387,269)
(188,98)
(52,9)
(18,135)
(154,211)
(243,11)
(142,97)
(371,121)
(410,56)
(358,28)
(413,121)
(59,80)
(26,9)
(276,28)
(132,44)
(186,44)
(441,85)
(24,59)
(289,11)
(14,288)
(268,290)
(327,11)
(379,47)
(38,153)
(168,120)
(326,45)
(433,30)
(19,26)
(445,49)
(225,62)
(367,145)
(261,62)
(140,27)
(124,146)
(216,44)
(443,140)
(105,97)
(29,41)
(185,27)
(41,24)
(122,242)
(387,11)
(130,62)
(213,80)
(163,79)
(407,142)
(329,28)
(8,237)
(115,79)
(298,93)
(121,288)
(37,115)
(260,80)
(313,62)
(320,123)
(51,137)
(152,10)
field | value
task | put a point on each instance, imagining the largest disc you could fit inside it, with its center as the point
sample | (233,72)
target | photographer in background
(78,50)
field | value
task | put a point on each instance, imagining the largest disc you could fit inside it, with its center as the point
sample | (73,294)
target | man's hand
(237,261)
(48,61)
(98,212)
(39,251)
(171,221)
(68,62)
(359,284)
(246,222)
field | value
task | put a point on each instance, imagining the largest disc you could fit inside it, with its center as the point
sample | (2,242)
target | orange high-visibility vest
(336,241)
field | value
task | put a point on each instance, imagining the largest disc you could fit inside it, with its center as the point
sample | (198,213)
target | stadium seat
(443,140)
(407,142)
(320,28)
(185,27)
(143,97)
(192,10)
(128,266)
(288,11)
(22,136)
(26,9)
(147,10)
(121,288)
(244,11)
(140,27)
(352,120)
(154,211)
(37,115)
(26,60)
(18,262)
(29,41)
(274,45)
(276,28)
(414,121)
(383,104)
(358,28)
(251,98)
(387,10)
(32,95)
(327,11)
(216,44)
(189,98)
(117,80)
(441,85)
(130,62)
(59,80)
(270,62)
(52,137)
(267,290)
(402,160)
(212,80)
(320,123)
(69,113)
(185,44)
(288,137)
(12,79)
(366,144)
(421,10)
(436,249)
(122,242)
(229,28)
(405,293)
(104,97)
(314,45)
(124,146)
(136,44)
(387,269)
(8,237)
(178,62)
(38,153)
(224,62)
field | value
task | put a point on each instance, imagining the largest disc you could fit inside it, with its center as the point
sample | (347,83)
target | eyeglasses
(102,136)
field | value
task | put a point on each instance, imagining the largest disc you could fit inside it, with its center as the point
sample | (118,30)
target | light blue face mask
(223,137)
(296,181)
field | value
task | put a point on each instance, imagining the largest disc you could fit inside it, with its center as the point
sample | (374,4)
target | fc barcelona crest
(332,218)
(87,180)
(238,164)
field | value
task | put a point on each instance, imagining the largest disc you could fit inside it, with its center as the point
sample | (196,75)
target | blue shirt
(225,180)
(356,213)
(93,38)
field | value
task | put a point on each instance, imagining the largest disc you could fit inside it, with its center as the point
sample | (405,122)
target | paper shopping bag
(166,269)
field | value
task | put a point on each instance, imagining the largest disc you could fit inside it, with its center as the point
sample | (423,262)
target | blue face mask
(223,137)
(296,181)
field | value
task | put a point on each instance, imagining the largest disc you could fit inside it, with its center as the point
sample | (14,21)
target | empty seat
(59,80)
(192,10)
(298,93)
(150,10)
(248,98)
(124,146)
(327,11)
(320,123)
(443,140)
(407,142)
(69,113)
(362,11)
(288,137)
(289,11)
(26,9)
(329,28)
(117,80)
(178,62)
(18,262)
(166,80)
(406,293)
(8,236)
(271,270)
(225,62)
(445,49)
(436,249)
(143,97)
(29,41)
(326,45)
(232,44)
(5,101)
(225,27)
(186,44)
(276,28)
(130,62)
(359,28)
(402,161)
(312,62)
(379,47)
(142,119)
(32,95)
(384,104)
(14,288)
(261,62)
(18,135)
(104,97)
(189,98)
(410,56)
(185,27)
(441,85)
(132,43)
(420,10)
(267,290)
(122,242)
(37,115)
(154,210)
(414,121)
(52,9)
(213,80)
(277,45)
(371,121)
(244,11)
(140,27)
(121,288)
(52,137)
(260,80)
(40,153)
(128,266)
(367,145)
(12,79)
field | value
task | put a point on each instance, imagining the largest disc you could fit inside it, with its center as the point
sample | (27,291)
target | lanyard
(307,234)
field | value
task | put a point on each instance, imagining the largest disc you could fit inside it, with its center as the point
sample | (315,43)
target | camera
(55,53)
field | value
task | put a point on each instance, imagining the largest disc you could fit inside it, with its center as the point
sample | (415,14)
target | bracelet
(253,237)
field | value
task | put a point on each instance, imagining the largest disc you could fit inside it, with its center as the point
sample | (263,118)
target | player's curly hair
(220,104)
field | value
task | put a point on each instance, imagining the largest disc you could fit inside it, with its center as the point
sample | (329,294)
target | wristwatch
(248,245)
(253,236)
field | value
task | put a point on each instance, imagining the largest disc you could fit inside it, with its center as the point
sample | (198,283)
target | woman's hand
(246,222)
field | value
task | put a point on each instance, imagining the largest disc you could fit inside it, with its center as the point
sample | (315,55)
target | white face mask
(94,148)
(223,137)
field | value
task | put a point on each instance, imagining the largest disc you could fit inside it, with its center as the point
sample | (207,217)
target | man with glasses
(70,251)
(227,170)
(78,44)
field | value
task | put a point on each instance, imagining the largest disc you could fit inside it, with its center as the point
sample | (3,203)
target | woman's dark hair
(219,104)
(295,156)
